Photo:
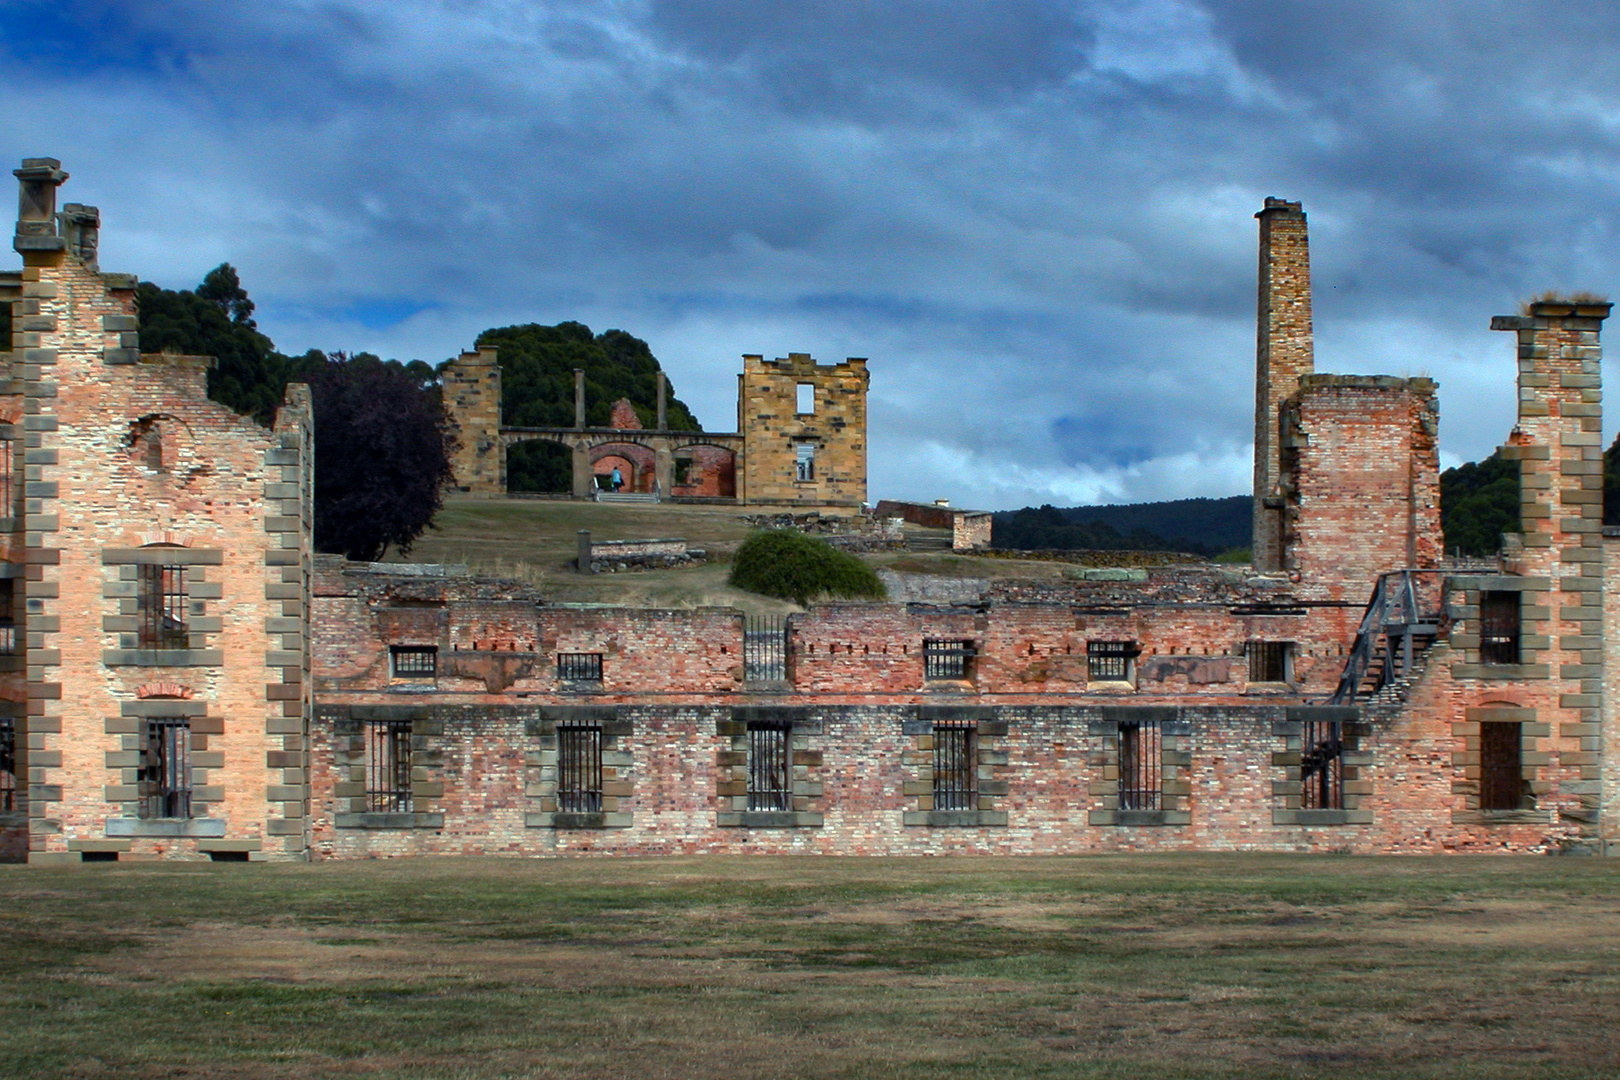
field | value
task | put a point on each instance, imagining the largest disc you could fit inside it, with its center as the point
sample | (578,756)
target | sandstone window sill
(767,819)
(407,820)
(1110,686)
(955,819)
(214,827)
(562,820)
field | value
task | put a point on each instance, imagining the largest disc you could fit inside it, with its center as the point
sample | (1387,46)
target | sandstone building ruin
(181,678)
(800,438)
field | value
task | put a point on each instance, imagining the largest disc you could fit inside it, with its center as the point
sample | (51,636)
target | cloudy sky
(1034,217)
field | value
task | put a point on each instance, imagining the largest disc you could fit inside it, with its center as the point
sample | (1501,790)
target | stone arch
(637,463)
(704,470)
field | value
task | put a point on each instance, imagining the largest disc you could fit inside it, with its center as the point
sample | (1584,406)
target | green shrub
(789,565)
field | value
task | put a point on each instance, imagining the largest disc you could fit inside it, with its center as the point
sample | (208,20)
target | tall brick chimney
(1283,355)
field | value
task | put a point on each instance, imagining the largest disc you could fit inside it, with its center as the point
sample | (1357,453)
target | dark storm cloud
(1034,217)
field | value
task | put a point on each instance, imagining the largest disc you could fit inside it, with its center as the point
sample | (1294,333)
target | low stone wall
(617,556)
(970,529)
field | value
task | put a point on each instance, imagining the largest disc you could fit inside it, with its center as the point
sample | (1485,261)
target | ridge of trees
(1196,526)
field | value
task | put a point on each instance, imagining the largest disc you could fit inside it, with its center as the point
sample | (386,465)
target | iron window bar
(1322,765)
(388,766)
(165,782)
(161,607)
(1110,661)
(415,661)
(947,659)
(1499,628)
(8,763)
(1268,661)
(770,766)
(956,767)
(579,667)
(765,650)
(1141,774)
(579,769)
(8,488)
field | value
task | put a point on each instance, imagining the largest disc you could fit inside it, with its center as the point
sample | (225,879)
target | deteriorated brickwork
(780,440)
(1283,356)
(472,399)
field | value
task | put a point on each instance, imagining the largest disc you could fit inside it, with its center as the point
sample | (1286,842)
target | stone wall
(471,388)
(773,429)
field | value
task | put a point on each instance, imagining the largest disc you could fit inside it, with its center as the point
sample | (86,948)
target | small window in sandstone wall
(956,767)
(165,785)
(8,490)
(770,766)
(947,659)
(8,763)
(388,766)
(1270,661)
(414,661)
(1499,628)
(160,607)
(1111,661)
(1322,765)
(8,626)
(805,461)
(807,399)
(579,667)
(1502,783)
(1141,774)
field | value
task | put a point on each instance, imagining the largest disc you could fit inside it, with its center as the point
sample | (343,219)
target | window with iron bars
(1111,661)
(1141,776)
(1322,765)
(1269,661)
(579,769)
(8,625)
(947,659)
(956,767)
(770,766)
(1502,784)
(388,766)
(579,667)
(165,775)
(8,763)
(160,607)
(8,487)
(415,661)
(1499,628)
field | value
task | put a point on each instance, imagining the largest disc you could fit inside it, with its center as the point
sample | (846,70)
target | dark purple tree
(382,453)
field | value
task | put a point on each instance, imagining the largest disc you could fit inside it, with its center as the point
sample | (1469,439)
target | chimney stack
(1283,355)
(37,182)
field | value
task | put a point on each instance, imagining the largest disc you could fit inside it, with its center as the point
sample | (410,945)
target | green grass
(1194,966)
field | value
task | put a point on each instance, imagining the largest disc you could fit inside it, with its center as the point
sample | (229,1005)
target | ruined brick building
(183,679)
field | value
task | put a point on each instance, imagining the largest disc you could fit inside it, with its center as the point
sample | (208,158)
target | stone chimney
(1283,355)
(38,180)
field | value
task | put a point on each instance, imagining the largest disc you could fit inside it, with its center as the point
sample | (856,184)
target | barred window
(956,767)
(1502,783)
(770,766)
(1141,778)
(1322,765)
(579,667)
(1111,661)
(8,488)
(160,607)
(8,625)
(804,461)
(1499,628)
(947,659)
(8,763)
(165,774)
(1269,661)
(415,661)
(579,769)
(388,766)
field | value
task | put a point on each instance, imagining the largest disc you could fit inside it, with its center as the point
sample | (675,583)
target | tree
(789,565)
(1479,501)
(382,453)
(217,321)
(537,390)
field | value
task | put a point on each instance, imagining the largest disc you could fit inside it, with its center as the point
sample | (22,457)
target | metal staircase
(1402,619)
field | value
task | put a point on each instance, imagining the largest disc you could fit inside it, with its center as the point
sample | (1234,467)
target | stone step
(626,497)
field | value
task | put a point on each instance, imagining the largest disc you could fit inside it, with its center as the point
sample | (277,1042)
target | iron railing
(579,769)
(1406,606)
(770,766)
(956,767)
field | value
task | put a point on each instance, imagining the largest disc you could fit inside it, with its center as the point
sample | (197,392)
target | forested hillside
(1196,526)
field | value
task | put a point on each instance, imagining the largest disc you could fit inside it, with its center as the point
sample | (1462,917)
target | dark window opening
(160,607)
(8,625)
(770,766)
(415,661)
(165,775)
(228,856)
(8,763)
(1268,661)
(683,471)
(1322,765)
(805,461)
(579,769)
(8,490)
(388,766)
(98,856)
(1499,628)
(1111,661)
(947,659)
(956,767)
(579,667)
(1141,783)
(1502,783)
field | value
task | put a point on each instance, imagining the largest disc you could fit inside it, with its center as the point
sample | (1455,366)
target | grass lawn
(1159,967)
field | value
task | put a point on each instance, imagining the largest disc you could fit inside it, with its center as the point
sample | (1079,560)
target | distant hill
(1198,526)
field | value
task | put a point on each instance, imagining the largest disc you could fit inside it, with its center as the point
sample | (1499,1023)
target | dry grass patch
(1190,966)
